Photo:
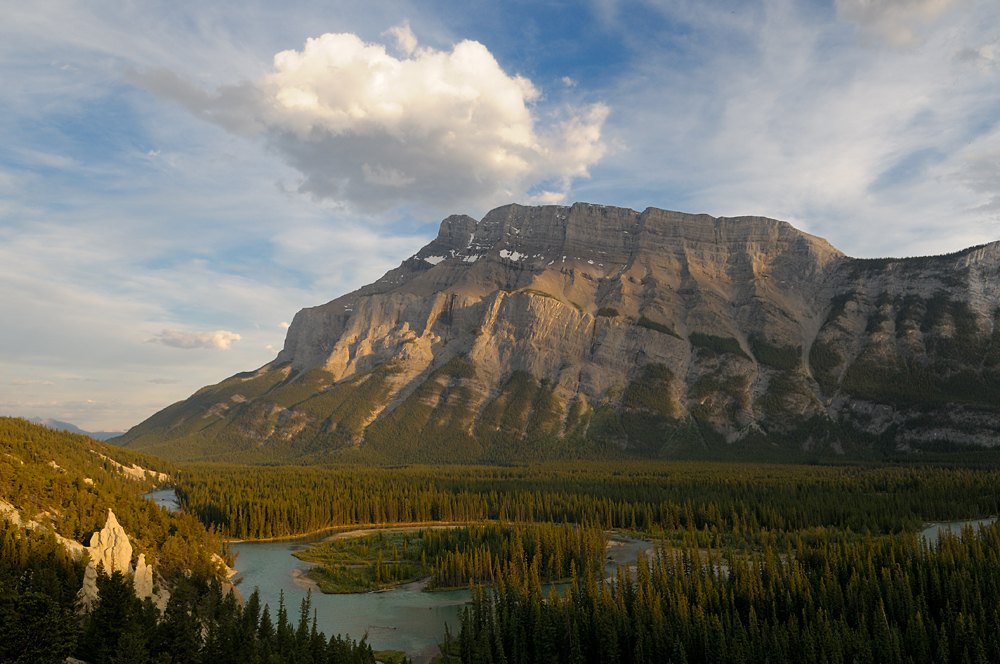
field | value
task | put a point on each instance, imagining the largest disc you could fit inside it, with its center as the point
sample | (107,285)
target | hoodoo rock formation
(111,551)
(566,331)
(110,547)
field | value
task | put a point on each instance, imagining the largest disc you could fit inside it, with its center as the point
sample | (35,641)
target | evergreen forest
(750,562)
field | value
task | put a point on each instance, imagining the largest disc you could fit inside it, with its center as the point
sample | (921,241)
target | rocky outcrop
(87,595)
(111,551)
(142,580)
(657,332)
(110,547)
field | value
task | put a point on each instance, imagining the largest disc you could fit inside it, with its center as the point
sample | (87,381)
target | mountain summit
(565,331)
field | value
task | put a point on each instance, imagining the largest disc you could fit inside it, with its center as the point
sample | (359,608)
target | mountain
(588,330)
(72,428)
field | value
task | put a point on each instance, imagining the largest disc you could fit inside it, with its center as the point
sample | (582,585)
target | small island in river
(446,559)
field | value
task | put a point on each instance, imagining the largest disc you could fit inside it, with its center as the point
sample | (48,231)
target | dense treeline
(39,624)
(201,623)
(67,482)
(262,502)
(452,557)
(827,598)
(38,585)
(473,554)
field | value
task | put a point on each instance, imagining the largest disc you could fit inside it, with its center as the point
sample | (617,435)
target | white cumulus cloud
(432,127)
(220,339)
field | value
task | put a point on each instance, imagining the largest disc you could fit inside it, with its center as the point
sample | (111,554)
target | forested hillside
(67,482)
(56,489)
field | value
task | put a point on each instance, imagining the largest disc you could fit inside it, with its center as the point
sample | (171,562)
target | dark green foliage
(451,557)
(652,391)
(28,481)
(116,615)
(329,417)
(963,341)
(202,625)
(720,395)
(783,358)
(288,500)
(546,417)
(38,584)
(503,422)
(578,418)
(824,597)
(780,385)
(823,360)
(991,358)
(945,267)
(733,386)
(34,629)
(348,406)
(892,379)
(297,388)
(711,345)
(606,427)
(838,304)
(607,312)
(415,430)
(650,324)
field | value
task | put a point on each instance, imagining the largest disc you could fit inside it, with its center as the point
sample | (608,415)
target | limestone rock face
(561,326)
(110,547)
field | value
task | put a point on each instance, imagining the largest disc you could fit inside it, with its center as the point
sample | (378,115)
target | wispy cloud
(874,124)
(434,128)
(19,381)
(786,115)
(895,22)
(981,173)
(220,339)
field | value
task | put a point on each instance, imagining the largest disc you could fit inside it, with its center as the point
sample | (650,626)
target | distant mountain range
(553,331)
(72,428)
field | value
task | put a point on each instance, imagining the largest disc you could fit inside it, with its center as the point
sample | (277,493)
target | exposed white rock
(110,547)
(135,471)
(87,595)
(10,512)
(223,567)
(75,548)
(142,580)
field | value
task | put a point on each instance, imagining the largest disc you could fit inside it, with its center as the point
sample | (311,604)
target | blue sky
(177,179)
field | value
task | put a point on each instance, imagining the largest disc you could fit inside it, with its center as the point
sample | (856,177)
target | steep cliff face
(570,330)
